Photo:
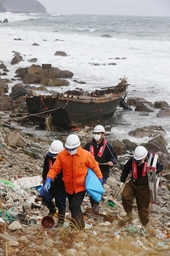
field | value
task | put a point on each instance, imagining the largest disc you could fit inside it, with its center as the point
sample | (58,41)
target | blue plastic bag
(93,186)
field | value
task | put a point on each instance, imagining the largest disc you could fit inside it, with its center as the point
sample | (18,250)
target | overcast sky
(110,7)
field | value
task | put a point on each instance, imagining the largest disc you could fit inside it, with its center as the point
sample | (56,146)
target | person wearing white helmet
(57,190)
(104,154)
(74,162)
(137,186)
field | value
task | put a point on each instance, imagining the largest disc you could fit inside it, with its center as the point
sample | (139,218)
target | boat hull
(75,108)
(66,114)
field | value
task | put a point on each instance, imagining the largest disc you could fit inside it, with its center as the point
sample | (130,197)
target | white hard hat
(72,141)
(140,153)
(55,147)
(99,128)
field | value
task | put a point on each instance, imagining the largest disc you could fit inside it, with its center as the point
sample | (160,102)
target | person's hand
(101,180)
(47,184)
(110,163)
(43,181)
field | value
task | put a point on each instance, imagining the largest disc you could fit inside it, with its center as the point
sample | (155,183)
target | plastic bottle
(110,203)
(159,234)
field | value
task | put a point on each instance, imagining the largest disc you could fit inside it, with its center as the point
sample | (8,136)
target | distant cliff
(21,6)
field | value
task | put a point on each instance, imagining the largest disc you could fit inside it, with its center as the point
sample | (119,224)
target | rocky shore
(22,151)
(21,156)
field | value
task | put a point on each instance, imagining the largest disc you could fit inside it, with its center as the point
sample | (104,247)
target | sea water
(100,50)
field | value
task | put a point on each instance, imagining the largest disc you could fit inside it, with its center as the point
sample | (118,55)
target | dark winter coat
(140,180)
(57,186)
(109,154)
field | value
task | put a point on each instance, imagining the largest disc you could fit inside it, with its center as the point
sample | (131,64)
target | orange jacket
(74,169)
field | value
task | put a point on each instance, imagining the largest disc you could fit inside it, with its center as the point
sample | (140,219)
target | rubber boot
(51,206)
(61,216)
(95,205)
(127,218)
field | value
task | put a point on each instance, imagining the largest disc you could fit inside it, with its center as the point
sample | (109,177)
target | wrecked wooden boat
(75,108)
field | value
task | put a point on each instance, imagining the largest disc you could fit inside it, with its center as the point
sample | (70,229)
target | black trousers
(75,200)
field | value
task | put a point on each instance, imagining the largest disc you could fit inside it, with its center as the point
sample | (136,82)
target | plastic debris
(111,203)
(159,234)
(7,182)
(136,229)
(6,216)
(161,244)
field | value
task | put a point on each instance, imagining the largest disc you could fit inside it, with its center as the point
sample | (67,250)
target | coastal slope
(20,6)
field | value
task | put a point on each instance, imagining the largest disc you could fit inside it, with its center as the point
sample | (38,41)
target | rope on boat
(43,112)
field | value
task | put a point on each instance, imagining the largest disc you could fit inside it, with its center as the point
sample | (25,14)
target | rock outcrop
(22,6)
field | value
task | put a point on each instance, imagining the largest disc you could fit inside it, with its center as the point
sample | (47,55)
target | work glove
(47,184)
(101,180)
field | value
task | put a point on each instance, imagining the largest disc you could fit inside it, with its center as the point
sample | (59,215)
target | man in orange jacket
(74,162)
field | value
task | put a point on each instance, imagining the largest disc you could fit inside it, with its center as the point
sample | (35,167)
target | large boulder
(3,87)
(144,107)
(17,58)
(161,104)
(32,79)
(19,90)
(53,82)
(6,103)
(45,75)
(60,53)
(164,112)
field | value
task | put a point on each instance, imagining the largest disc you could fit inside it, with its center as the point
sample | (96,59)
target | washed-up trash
(88,226)
(111,203)
(1,220)
(159,234)
(32,222)
(36,206)
(136,229)
(38,188)
(28,182)
(48,222)
(6,216)
(7,182)
(161,244)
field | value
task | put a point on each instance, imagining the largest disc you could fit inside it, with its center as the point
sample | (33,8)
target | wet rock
(32,79)
(19,90)
(134,101)
(119,147)
(144,107)
(33,60)
(3,87)
(5,20)
(65,74)
(164,112)
(147,131)
(107,36)
(2,66)
(54,82)
(60,53)
(160,104)
(129,145)
(17,58)
(6,103)
(35,44)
